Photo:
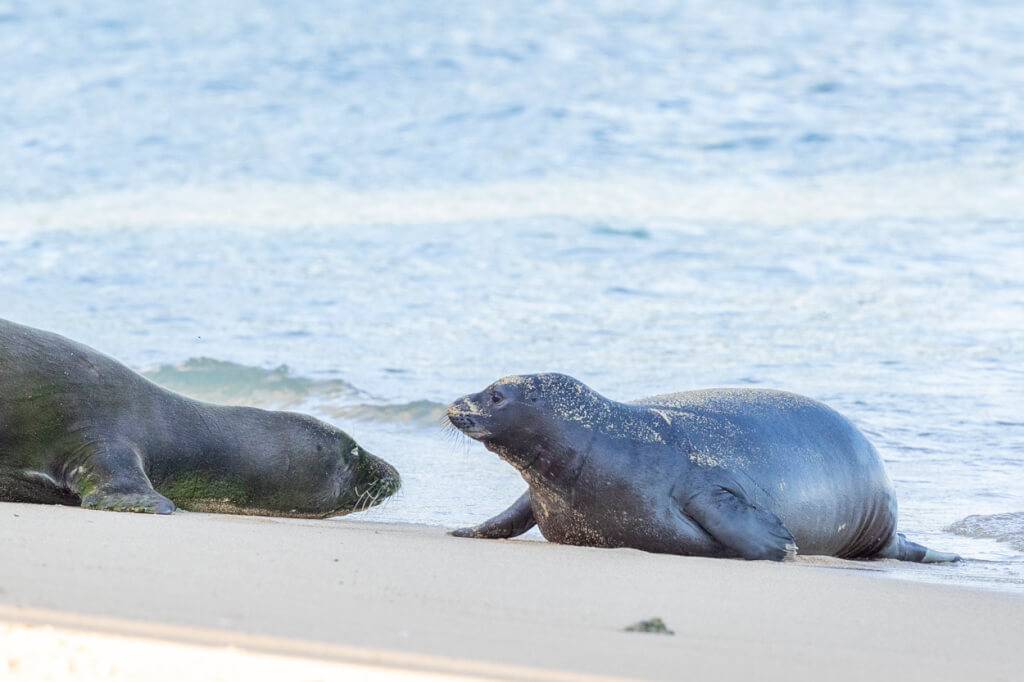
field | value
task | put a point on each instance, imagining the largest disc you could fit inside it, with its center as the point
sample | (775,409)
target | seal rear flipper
(514,521)
(110,476)
(735,523)
(904,550)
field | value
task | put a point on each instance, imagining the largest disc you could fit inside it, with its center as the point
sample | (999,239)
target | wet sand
(102,595)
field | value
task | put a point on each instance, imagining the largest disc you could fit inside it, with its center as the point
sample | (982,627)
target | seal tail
(904,550)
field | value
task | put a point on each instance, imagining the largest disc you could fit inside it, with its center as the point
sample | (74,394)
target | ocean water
(366,210)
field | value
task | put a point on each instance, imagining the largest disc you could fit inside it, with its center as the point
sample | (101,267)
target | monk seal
(749,473)
(78,427)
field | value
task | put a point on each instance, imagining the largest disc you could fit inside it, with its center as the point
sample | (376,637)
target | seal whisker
(362,503)
(372,494)
(451,433)
(390,498)
(358,500)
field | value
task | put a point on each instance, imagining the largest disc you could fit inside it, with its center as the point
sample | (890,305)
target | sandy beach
(101,595)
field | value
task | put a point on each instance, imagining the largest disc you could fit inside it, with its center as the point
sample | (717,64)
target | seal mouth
(362,498)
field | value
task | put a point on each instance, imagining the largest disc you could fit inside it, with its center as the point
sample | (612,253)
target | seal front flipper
(514,521)
(731,520)
(110,476)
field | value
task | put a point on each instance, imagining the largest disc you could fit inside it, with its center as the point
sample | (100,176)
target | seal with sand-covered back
(77,427)
(749,473)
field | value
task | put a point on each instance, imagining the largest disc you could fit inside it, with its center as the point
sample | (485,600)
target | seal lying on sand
(720,473)
(77,427)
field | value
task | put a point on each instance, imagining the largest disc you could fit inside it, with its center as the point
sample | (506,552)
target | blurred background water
(365,210)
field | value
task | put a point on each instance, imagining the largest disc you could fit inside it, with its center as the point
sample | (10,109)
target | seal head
(529,421)
(277,463)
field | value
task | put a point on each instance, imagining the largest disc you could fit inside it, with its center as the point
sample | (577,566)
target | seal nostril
(461,421)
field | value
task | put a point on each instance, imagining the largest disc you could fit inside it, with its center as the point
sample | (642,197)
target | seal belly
(840,502)
(808,465)
(786,454)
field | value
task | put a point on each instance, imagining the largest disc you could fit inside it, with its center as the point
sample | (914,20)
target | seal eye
(497,398)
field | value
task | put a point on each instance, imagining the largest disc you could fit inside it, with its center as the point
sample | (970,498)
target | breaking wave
(219,381)
(423,412)
(1007,527)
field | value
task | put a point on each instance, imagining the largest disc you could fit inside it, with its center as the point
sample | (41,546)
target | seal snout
(375,471)
(372,481)
(465,415)
(388,480)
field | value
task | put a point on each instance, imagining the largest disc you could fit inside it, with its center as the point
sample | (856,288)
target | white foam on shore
(907,193)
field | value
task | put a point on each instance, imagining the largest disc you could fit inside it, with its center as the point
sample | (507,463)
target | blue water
(365,210)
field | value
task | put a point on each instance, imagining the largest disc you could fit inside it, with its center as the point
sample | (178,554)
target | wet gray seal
(77,427)
(746,473)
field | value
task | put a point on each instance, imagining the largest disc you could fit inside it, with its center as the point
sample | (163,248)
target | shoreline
(410,599)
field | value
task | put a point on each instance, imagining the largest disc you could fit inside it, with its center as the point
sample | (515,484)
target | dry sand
(115,596)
